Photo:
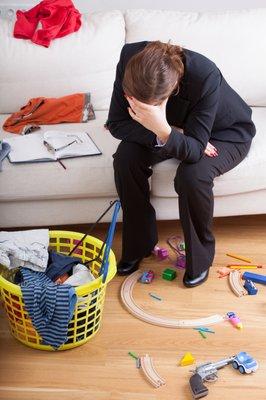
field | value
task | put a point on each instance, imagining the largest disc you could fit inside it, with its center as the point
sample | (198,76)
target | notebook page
(28,148)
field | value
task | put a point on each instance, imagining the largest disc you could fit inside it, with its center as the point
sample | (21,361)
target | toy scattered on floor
(154,296)
(127,298)
(181,262)
(240,266)
(202,334)
(169,274)
(182,246)
(223,271)
(188,359)
(152,376)
(147,277)
(202,331)
(177,244)
(206,373)
(133,355)
(160,253)
(257,278)
(250,287)
(238,257)
(235,320)
(236,283)
(245,363)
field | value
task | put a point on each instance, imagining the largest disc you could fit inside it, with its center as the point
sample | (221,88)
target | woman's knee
(189,177)
(128,154)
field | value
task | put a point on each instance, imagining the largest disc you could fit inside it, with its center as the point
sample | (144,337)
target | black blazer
(206,107)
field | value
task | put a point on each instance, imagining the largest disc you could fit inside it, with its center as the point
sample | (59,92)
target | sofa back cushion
(234,40)
(84,61)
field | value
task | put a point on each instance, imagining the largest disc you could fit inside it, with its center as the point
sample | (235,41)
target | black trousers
(193,184)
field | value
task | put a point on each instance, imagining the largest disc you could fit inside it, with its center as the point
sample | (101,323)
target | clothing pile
(38,111)
(57,17)
(47,281)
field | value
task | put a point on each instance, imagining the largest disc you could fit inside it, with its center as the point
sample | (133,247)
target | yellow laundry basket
(88,312)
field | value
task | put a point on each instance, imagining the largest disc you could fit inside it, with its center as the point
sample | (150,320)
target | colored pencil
(238,257)
(236,266)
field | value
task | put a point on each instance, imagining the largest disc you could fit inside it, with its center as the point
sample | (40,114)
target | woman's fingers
(210,150)
(132,105)
(131,113)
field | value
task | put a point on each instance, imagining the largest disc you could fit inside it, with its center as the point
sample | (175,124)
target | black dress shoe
(192,282)
(128,267)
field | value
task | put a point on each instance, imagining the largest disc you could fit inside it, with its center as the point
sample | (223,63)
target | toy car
(147,277)
(250,287)
(245,363)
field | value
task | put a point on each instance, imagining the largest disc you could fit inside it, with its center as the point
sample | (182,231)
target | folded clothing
(50,306)
(25,248)
(46,111)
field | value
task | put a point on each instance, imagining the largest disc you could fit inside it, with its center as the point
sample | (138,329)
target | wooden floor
(102,369)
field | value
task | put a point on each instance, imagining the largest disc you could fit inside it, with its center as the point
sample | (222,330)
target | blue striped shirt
(50,306)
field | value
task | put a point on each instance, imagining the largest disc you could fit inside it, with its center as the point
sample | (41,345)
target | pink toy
(224,271)
(160,252)
(235,320)
(181,262)
(177,244)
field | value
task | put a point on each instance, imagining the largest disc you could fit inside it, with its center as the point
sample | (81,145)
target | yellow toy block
(188,359)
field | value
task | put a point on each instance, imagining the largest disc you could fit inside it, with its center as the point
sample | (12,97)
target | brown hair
(154,73)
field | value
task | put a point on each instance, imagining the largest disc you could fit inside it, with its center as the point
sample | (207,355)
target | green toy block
(182,246)
(169,274)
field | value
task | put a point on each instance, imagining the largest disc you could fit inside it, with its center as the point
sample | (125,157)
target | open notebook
(50,146)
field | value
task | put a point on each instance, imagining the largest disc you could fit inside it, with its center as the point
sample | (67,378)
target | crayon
(155,296)
(133,355)
(202,334)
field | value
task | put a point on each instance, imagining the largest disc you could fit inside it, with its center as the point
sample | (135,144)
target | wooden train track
(128,301)
(150,372)
(236,283)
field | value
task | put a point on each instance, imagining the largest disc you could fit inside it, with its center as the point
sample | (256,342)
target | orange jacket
(46,111)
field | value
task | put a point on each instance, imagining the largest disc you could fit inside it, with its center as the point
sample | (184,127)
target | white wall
(195,5)
(97,5)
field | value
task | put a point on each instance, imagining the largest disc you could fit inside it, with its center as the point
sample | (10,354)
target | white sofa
(44,193)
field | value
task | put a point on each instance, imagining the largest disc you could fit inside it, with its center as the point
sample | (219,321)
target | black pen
(60,162)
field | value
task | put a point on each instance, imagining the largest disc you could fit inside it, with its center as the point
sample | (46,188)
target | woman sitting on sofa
(171,102)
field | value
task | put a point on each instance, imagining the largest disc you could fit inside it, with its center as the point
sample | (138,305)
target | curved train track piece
(128,300)
(236,283)
(150,372)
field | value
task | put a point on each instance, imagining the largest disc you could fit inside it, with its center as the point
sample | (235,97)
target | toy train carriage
(147,277)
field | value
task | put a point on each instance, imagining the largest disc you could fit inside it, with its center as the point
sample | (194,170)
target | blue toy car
(250,287)
(147,277)
(245,363)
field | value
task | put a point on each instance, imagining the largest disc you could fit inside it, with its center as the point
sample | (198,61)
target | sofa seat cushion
(84,177)
(247,176)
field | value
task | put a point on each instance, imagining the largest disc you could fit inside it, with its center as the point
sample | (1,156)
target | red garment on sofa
(57,17)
